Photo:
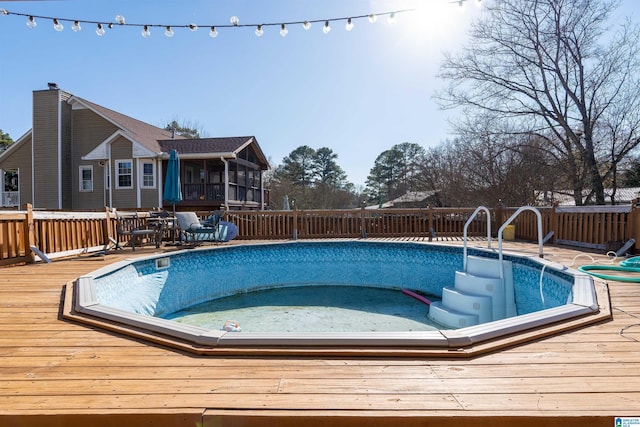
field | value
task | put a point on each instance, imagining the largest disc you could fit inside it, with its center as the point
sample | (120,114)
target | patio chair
(193,231)
(134,227)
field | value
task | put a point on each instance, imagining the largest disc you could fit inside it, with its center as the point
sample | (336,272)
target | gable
(101,152)
(16,146)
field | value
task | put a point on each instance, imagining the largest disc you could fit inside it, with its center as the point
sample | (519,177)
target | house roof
(408,197)
(228,147)
(565,197)
(155,141)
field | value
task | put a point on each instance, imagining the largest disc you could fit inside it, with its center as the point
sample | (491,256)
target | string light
(234,21)
(283,30)
(57,25)
(326,27)
(349,25)
(392,18)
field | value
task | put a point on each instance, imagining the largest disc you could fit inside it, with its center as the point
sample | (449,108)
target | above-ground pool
(147,293)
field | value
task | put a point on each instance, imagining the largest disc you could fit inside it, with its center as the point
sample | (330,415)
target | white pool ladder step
(479,295)
(467,302)
(449,317)
(492,287)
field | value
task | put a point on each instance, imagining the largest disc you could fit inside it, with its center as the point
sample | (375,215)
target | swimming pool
(147,292)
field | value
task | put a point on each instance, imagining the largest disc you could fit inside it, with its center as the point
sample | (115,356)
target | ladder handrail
(509,221)
(464,233)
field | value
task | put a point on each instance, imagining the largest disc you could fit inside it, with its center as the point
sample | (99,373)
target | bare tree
(556,69)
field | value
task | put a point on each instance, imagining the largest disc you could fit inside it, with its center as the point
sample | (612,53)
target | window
(124,174)
(86,178)
(148,175)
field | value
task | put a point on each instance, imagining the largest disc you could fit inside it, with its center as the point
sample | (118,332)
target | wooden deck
(59,373)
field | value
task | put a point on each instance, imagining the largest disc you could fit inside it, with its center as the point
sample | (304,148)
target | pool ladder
(484,290)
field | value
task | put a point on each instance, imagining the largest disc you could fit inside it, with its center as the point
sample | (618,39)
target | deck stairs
(483,291)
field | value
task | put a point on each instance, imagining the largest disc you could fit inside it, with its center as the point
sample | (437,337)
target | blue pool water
(202,276)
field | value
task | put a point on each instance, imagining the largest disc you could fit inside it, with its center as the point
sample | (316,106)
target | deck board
(55,371)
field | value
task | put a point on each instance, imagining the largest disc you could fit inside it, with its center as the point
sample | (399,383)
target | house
(411,199)
(82,156)
(624,196)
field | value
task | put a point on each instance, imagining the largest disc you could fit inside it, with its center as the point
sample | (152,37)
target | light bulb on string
(168,32)
(306,25)
(373,18)
(31,22)
(392,18)
(100,31)
(213,32)
(57,25)
(234,21)
(120,19)
(4,12)
(326,27)
(283,30)
(193,27)
(349,25)
(76,26)
(145,32)
(110,25)
(259,31)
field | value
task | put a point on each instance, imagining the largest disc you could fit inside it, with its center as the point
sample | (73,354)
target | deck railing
(59,234)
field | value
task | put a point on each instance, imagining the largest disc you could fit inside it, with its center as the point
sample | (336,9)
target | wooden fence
(57,234)
(355,223)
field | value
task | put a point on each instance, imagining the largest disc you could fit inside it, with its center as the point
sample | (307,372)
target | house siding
(122,149)
(149,198)
(45,149)
(20,158)
(67,148)
(89,130)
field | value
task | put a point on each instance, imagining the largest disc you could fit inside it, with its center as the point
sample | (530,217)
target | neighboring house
(624,196)
(82,156)
(411,199)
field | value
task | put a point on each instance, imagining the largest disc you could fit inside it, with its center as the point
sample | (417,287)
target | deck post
(553,221)
(633,222)
(295,223)
(363,224)
(106,228)
(431,230)
(499,214)
(29,235)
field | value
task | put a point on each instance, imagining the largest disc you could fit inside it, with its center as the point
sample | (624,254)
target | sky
(357,92)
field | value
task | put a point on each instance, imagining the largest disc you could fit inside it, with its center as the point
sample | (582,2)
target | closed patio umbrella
(172,188)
